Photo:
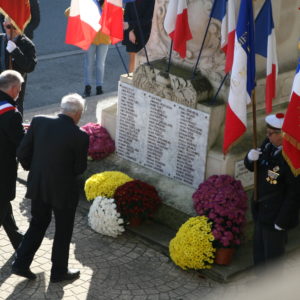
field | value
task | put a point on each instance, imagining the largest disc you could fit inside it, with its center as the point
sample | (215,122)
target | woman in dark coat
(11,134)
(134,40)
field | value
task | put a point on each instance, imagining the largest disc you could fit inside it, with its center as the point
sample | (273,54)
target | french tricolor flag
(242,80)
(265,45)
(83,23)
(112,20)
(177,25)
(225,11)
(291,124)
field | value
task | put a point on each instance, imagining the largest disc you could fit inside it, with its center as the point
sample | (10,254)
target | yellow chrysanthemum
(104,184)
(192,246)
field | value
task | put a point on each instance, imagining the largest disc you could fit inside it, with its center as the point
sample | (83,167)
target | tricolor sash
(5,106)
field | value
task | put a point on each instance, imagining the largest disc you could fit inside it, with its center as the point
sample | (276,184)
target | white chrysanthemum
(104,218)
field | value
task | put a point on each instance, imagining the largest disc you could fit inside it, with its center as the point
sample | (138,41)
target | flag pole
(254,141)
(217,93)
(203,41)
(170,55)
(254,138)
(122,60)
(141,32)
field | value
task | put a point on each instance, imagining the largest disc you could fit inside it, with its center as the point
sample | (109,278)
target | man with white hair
(276,208)
(54,151)
(11,134)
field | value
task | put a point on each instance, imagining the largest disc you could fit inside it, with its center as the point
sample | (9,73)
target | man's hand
(11,46)
(254,154)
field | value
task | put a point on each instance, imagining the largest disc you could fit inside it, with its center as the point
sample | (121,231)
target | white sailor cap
(275,121)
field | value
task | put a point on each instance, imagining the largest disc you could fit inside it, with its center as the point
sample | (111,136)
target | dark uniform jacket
(11,134)
(55,152)
(23,57)
(277,197)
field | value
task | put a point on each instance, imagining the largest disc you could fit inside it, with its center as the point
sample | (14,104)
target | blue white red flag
(5,106)
(112,20)
(291,124)
(265,45)
(177,25)
(242,76)
(225,11)
(83,23)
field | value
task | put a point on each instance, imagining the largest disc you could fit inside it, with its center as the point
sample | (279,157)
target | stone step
(161,235)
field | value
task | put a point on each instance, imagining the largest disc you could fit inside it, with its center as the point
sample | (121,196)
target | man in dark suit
(11,134)
(276,208)
(54,151)
(22,52)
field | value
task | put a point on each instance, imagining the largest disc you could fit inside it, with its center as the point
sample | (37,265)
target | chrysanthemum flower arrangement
(118,198)
(100,144)
(192,247)
(104,184)
(104,218)
(223,200)
(136,199)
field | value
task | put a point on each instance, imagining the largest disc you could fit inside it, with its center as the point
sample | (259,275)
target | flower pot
(224,256)
(135,222)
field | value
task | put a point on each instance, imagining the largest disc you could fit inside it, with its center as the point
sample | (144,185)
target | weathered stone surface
(177,85)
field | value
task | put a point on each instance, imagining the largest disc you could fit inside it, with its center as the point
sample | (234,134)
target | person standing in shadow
(11,134)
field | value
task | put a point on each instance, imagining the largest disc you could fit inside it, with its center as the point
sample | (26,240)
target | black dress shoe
(70,275)
(23,272)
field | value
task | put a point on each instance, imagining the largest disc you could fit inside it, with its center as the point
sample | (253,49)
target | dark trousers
(41,218)
(7,220)
(269,243)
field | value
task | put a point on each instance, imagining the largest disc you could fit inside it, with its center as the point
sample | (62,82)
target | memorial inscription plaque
(162,135)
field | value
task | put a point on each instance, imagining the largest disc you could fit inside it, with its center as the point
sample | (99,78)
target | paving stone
(123,268)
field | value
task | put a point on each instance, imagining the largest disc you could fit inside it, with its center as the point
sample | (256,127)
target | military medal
(273,175)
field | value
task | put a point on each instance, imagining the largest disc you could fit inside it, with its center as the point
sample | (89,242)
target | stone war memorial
(168,126)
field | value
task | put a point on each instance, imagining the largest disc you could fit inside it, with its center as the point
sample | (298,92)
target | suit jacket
(278,201)
(54,151)
(11,134)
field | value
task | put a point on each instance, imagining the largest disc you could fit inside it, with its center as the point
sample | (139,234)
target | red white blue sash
(5,106)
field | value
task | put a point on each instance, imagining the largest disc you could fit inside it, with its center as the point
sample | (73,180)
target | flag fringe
(295,171)
(292,140)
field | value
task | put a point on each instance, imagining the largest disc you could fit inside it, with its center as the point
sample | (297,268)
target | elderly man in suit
(11,134)
(55,152)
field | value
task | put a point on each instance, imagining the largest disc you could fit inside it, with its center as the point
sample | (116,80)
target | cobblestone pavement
(128,268)
(122,268)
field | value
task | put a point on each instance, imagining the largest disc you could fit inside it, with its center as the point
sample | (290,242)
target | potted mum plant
(223,200)
(192,247)
(136,201)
